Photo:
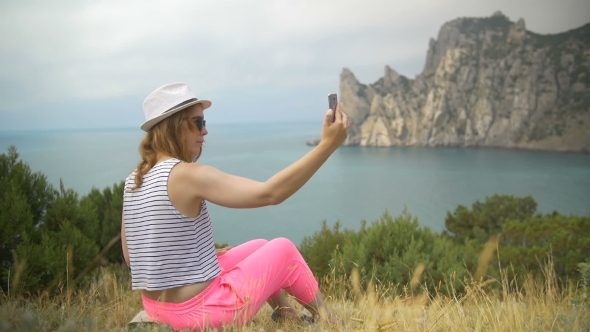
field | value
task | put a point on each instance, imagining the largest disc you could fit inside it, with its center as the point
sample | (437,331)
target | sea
(355,184)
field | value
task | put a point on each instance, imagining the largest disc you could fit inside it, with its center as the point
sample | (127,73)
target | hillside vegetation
(499,265)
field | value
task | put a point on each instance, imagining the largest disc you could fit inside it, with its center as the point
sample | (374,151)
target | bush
(109,209)
(51,236)
(62,244)
(320,249)
(528,244)
(58,259)
(390,251)
(486,219)
(24,198)
(393,250)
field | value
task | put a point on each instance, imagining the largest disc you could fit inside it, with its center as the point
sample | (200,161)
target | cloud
(55,52)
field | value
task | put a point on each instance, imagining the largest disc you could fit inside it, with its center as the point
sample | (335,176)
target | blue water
(354,184)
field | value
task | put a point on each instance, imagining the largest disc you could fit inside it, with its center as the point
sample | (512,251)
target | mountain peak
(486,82)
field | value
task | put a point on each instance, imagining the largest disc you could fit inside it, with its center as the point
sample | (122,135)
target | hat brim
(146,126)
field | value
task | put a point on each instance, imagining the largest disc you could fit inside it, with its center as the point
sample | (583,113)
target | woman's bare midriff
(177,294)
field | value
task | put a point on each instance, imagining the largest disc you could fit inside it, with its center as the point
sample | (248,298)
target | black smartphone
(332,102)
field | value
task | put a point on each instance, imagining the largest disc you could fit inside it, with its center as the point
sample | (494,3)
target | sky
(79,64)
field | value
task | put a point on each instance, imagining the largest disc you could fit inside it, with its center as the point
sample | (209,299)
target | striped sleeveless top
(166,248)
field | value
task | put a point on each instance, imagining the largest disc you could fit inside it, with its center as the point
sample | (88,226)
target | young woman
(167,235)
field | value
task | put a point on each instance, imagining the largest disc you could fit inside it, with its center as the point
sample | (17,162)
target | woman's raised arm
(232,191)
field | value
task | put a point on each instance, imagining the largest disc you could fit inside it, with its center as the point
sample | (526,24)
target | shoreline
(315,141)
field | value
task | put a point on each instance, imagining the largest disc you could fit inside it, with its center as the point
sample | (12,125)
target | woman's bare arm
(227,190)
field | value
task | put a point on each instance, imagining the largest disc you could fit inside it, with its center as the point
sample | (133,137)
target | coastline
(315,141)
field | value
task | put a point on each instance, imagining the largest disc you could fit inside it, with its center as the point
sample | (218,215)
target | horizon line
(64,129)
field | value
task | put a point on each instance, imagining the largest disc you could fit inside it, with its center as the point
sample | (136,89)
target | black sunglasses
(200,121)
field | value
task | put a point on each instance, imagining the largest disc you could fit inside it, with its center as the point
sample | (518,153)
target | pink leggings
(251,274)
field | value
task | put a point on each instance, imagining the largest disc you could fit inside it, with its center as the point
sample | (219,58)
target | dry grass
(109,304)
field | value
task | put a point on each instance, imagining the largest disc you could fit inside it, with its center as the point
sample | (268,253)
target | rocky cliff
(486,82)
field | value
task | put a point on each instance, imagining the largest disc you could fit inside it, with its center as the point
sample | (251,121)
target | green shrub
(486,219)
(109,208)
(54,262)
(41,228)
(389,251)
(24,198)
(320,248)
(528,244)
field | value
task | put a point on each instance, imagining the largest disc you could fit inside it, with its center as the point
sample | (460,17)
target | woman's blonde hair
(166,137)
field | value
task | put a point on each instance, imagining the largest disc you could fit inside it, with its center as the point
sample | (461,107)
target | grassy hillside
(109,304)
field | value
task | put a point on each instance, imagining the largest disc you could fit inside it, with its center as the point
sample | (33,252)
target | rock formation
(487,82)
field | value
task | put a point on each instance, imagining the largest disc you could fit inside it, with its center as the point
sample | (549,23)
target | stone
(486,82)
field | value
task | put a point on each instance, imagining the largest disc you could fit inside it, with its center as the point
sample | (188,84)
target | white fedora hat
(167,100)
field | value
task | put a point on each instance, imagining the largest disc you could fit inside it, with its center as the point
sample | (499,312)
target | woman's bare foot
(321,312)
(282,309)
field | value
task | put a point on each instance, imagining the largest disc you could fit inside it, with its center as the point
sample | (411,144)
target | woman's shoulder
(192,166)
(191,173)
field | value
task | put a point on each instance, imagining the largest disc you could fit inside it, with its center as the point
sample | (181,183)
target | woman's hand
(221,251)
(335,133)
